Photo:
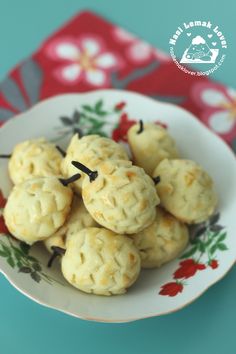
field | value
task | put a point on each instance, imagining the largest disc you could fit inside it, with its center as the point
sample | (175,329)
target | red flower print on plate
(213,264)
(2,200)
(205,240)
(3,228)
(120,133)
(171,289)
(83,59)
(188,268)
(119,106)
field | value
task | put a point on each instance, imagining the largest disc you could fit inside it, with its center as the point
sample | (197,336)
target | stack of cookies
(107,215)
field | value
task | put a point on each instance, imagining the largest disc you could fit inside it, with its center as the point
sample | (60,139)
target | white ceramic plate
(158,291)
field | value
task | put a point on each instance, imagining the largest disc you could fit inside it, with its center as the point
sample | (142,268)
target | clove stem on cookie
(69,180)
(5,156)
(157,179)
(140,127)
(91,174)
(62,152)
(57,251)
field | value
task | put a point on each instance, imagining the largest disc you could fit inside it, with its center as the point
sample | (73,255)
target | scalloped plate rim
(102,320)
(104,92)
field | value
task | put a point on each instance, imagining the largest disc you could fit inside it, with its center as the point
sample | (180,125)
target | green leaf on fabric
(5,114)
(11,91)
(31,77)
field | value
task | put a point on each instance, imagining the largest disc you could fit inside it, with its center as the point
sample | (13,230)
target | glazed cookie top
(78,219)
(162,241)
(37,208)
(186,190)
(34,158)
(122,197)
(101,262)
(150,143)
(90,150)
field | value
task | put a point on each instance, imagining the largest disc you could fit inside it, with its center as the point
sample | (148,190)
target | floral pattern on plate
(206,239)
(110,113)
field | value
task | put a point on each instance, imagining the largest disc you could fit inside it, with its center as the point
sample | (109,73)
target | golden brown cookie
(122,198)
(37,208)
(162,241)
(186,190)
(78,219)
(90,150)
(101,262)
(34,158)
(150,144)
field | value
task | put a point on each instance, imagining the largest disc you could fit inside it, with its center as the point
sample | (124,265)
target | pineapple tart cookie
(101,262)
(119,196)
(34,158)
(37,208)
(162,241)
(186,190)
(78,219)
(150,144)
(90,150)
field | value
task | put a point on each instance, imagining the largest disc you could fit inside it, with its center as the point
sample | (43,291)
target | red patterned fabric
(90,53)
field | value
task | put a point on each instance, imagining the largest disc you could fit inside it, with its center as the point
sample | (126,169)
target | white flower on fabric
(84,59)
(218,105)
(138,51)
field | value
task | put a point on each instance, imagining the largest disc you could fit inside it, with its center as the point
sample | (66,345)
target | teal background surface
(207,325)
